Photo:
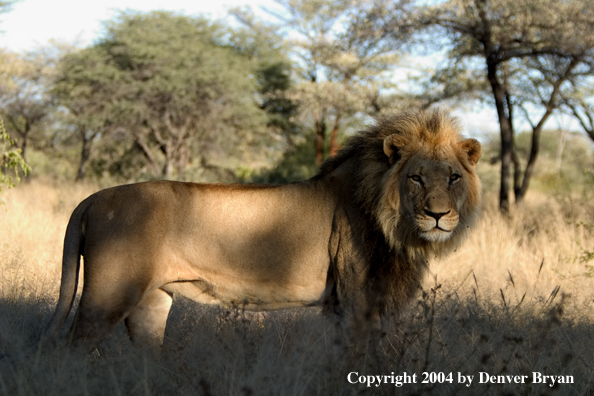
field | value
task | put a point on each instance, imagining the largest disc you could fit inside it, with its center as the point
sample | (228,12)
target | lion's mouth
(434,229)
(436,234)
(437,230)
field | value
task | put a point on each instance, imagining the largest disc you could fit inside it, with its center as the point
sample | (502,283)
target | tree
(10,160)
(6,5)
(527,51)
(88,89)
(577,102)
(344,49)
(24,100)
(261,43)
(173,90)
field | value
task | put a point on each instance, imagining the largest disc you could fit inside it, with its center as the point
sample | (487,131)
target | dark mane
(429,127)
(366,162)
(362,144)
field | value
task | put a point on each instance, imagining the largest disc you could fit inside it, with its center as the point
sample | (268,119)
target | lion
(355,239)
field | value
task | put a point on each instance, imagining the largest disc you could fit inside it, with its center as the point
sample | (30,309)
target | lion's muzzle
(437,226)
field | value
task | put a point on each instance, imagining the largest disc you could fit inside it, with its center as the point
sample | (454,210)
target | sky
(33,23)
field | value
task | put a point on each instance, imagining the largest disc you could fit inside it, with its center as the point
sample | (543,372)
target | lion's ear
(392,146)
(473,149)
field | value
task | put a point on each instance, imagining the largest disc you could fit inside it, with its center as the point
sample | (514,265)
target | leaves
(345,50)
(25,102)
(10,161)
(176,90)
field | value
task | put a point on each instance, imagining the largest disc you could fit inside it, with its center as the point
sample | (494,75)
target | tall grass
(541,246)
(516,298)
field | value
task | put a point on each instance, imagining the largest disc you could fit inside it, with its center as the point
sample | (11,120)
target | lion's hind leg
(102,307)
(146,324)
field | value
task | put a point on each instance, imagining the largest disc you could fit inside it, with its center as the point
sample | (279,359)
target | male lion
(355,238)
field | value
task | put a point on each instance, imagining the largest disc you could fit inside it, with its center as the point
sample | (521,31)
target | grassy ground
(515,299)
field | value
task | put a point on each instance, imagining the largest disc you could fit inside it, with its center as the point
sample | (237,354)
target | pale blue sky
(34,22)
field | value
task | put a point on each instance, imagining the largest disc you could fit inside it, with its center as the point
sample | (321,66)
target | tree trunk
(562,140)
(25,141)
(320,137)
(167,171)
(24,134)
(84,155)
(534,149)
(507,135)
(505,125)
(517,167)
(537,130)
(24,145)
(334,137)
(153,163)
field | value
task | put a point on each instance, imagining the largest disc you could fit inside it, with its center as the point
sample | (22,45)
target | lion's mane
(397,257)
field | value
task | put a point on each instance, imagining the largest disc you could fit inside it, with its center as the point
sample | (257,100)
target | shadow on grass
(211,351)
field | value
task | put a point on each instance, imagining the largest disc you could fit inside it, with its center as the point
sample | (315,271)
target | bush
(10,161)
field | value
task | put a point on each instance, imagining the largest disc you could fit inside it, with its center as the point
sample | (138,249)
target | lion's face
(432,191)
(436,189)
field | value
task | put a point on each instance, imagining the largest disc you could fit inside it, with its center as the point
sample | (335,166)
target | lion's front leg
(359,325)
(356,312)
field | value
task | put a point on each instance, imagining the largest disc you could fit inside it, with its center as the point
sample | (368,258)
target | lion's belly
(258,272)
(249,295)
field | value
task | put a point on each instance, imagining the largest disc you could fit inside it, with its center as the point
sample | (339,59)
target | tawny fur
(356,238)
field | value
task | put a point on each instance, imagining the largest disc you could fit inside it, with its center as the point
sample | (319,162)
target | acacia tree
(261,44)
(89,89)
(578,102)
(527,51)
(10,161)
(24,98)
(344,48)
(171,88)
(10,157)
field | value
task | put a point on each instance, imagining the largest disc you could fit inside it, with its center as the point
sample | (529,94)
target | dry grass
(541,247)
(516,298)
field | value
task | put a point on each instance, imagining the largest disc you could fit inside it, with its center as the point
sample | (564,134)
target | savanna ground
(515,299)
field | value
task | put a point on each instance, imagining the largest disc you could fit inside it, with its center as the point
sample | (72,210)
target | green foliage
(297,163)
(25,103)
(344,54)
(587,256)
(566,163)
(6,5)
(10,161)
(175,93)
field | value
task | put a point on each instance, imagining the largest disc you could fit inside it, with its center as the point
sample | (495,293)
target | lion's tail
(73,244)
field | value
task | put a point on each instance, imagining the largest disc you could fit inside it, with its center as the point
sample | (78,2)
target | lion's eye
(416,178)
(454,177)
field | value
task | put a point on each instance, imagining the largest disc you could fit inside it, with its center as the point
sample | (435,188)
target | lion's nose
(436,216)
